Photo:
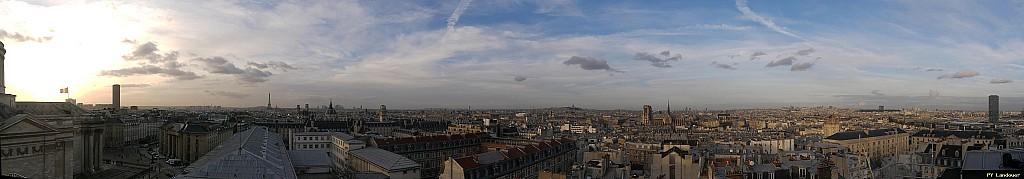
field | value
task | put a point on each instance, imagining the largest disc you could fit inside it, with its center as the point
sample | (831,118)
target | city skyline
(519,54)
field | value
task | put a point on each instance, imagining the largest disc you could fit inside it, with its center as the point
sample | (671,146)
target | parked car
(174,162)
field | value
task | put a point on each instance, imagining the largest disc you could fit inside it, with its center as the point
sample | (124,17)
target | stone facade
(189,142)
(34,149)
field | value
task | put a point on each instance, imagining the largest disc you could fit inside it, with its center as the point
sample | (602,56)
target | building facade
(371,159)
(830,127)
(189,142)
(520,162)
(993,108)
(645,117)
(312,141)
(431,151)
(876,144)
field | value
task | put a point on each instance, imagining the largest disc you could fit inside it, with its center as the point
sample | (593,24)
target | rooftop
(309,157)
(849,135)
(254,153)
(384,159)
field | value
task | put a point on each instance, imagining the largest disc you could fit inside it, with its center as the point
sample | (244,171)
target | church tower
(830,127)
(669,119)
(380,114)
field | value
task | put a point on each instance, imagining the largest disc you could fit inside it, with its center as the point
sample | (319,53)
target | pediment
(24,124)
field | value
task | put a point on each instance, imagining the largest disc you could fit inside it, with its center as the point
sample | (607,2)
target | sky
(519,53)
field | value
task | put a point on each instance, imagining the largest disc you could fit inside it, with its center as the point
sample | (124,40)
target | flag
(64,90)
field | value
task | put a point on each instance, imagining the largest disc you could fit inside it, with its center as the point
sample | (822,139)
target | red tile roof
(468,162)
(515,153)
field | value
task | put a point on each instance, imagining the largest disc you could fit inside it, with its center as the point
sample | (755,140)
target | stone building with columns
(47,139)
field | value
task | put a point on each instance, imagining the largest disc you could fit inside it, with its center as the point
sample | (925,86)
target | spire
(331,105)
(668,107)
(268,101)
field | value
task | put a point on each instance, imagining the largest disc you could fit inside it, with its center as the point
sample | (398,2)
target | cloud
(135,85)
(461,8)
(718,27)
(878,92)
(177,74)
(219,65)
(756,54)
(22,38)
(590,63)
(942,77)
(1001,81)
(152,63)
(251,74)
(229,94)
(723,66)
(801,66)
(520,78)
(935,69)
(742,6)
(783,62)
(805,52)
(965,74)
(272,64)
(658,61)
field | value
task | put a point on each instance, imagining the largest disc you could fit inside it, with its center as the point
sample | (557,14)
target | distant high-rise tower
(993,108)
(382,112)
(645,118)
(116,93)
(831,126)
(268,101)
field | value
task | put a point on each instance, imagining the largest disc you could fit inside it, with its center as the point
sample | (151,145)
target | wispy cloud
(252,74)
(805,52)
(590,63)
(152,63)
(782,62)
(965,74)
(724,66)
(658,61)
(459,9)
(520,78)
(272,64)
(756,54)
(22,38)
(228,94)
(742,6)
(801,66)
(1001,81)
(718,27)
(877,92)
(135,85)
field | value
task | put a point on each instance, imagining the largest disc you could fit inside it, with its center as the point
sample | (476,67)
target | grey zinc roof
(490,157)
(990,159)
(384,159)
(309,158)
(254,153)
(342,136)
(848,135)
(51,108)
